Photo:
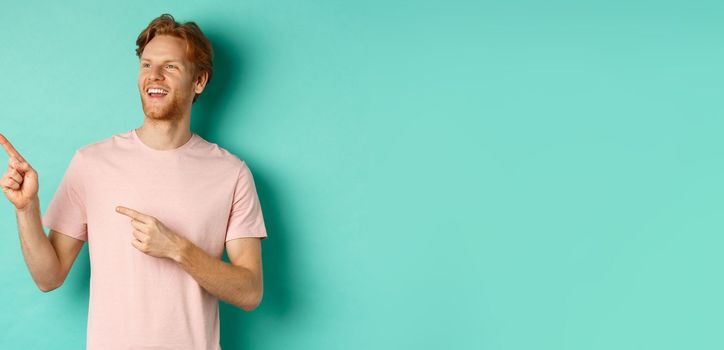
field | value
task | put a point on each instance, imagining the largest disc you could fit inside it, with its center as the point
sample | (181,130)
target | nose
(155,73)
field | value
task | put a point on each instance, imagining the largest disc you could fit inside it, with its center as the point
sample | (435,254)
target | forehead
(165,47)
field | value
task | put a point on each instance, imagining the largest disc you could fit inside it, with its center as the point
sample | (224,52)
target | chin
(161,114)
(168,111)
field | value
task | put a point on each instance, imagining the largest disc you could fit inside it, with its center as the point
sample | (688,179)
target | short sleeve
(66,212)
(245,218)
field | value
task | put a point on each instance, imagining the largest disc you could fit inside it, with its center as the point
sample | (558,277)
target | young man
(157,205)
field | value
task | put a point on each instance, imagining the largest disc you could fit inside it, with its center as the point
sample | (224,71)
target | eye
(144,65)
(170,66)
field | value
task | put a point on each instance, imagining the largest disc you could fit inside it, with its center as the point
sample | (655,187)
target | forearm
(233,284)
(39,254)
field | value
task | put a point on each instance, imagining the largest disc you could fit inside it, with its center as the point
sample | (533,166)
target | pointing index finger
(132,214)
(9,149)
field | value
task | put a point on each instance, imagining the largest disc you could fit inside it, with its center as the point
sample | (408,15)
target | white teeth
(156,91)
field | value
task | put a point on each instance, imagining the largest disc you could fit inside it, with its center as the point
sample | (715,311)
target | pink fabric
(199,190)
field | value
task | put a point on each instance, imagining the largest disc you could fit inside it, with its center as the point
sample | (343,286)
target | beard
(168,108)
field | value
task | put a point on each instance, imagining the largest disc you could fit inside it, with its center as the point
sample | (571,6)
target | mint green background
(433,175)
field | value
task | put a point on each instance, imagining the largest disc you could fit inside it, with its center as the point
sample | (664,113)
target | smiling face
(166,79)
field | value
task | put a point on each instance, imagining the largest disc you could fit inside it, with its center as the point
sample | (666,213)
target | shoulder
(104,147)
(218,156)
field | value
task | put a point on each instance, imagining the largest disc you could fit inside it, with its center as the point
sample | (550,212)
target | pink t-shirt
(199,190)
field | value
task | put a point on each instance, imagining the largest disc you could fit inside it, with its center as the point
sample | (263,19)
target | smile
(156,92)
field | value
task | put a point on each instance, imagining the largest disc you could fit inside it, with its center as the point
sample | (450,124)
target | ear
(200,82)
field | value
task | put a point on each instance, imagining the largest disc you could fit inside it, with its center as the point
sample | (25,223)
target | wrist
(182,247)
(31,206)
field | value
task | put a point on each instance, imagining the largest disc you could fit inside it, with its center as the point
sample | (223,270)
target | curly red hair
(198,48)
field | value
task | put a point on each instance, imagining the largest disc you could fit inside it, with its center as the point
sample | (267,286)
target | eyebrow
(164,61)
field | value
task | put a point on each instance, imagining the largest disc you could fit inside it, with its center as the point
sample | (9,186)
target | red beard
(166,108)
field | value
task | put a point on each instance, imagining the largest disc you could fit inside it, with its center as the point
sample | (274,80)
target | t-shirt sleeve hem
(66,230)
(248,235)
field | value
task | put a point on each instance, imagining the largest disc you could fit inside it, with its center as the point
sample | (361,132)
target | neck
(163,134)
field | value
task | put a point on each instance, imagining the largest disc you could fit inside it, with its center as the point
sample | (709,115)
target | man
(156,204)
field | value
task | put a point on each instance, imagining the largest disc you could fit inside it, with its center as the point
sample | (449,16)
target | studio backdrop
(433,175)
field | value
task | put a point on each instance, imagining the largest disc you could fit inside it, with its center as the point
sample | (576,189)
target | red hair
(198,48)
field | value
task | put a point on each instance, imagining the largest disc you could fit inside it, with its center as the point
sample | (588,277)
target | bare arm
(49,259)
(239,283)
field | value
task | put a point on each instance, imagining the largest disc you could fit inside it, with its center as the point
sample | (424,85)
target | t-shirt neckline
(168,151)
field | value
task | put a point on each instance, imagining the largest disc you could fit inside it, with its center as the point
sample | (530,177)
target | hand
(20,182)
(152,237)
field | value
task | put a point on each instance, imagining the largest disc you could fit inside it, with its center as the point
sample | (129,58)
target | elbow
(250,299)
(251,303)
(45,288)
(48,286)
(248,308)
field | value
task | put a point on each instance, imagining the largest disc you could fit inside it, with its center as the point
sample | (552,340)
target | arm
(49,259)
(239,283)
